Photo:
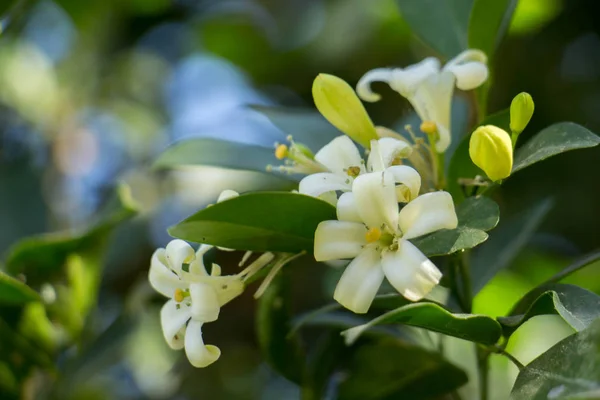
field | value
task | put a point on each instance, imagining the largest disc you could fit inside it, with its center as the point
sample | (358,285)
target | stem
(466,288)
(437,163)
(499,350)
(483,368)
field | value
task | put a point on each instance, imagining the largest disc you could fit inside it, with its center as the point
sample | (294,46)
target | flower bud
(521,110)
(491,150)
(339,104)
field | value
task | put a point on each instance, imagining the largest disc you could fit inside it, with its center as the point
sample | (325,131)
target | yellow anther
(428,127)
(353,171)
(179,295)
(373,235)
(281,151)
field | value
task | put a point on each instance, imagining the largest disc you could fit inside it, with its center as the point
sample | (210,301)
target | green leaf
(507,241)
(306,126)
(461,166)
(382,302)
(263,221)
(475,216)
(442,24)
(553,140)
(14,292)
(577,306)
(38,256)
(322,361)
(390,369)
(475,328)
(283,353)
(488,23)
(217,153)
(569,370)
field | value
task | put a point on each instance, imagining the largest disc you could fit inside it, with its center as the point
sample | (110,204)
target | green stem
(466,294)
(499,350)
(483,368)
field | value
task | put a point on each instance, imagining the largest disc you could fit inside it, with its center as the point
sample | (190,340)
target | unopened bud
(521,110)
(491,150)
(340,105)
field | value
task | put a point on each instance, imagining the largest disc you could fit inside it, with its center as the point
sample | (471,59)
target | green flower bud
(339,104)
(491,150)
(521,110)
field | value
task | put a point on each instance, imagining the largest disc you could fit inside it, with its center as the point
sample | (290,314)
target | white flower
(195,298)
(372,232)
(342,158)
(428,88)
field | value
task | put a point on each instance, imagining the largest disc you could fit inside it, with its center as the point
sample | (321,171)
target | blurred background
(91,92)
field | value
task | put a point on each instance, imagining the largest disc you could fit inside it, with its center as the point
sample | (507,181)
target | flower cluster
(195,295)
(385,194)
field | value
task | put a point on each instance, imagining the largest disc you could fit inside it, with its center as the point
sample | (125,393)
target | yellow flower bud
(339,104)
(491,150)
(521,110)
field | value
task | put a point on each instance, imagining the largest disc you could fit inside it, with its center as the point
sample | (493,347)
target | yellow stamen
(281,151)
(353,171)
(179,295)
(428,127)
(373,235)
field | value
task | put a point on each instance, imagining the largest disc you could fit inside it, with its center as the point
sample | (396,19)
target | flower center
(373,235)
(353,171)
(180,295)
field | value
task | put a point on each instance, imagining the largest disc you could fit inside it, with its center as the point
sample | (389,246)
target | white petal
(178,253)
(161,278)
(330,197)
(432,101)
(197,266)
(406,81)
(408,177)
(467,56)
(227,194)
(205,305)
(469,75)
(363,88)
(323,182)
(391,149)
(409,271)
(375,160)
(340,154)
(227,288)
(360,281)
(375,196)
(172,320)
(428,213)
(199,354)
(336,240)
(346,208)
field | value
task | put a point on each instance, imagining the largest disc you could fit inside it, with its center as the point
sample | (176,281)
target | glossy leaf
(391,369)
(283,353)
(40,255)
(488,23)
(475,328)
(382,302)
(577,306)
(475,216)
(13,291)
(461,166)
(508,240)
(306,126)
(553,140)
(263,221)
(569,370)
(441,24)
(217,153)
